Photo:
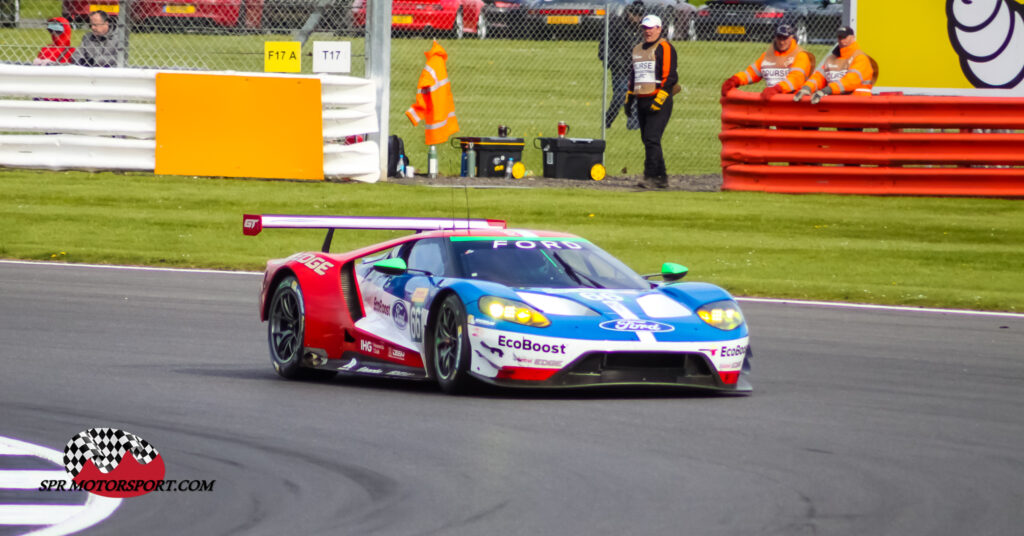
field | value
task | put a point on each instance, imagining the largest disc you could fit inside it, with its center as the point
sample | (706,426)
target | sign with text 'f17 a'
(282,56)
(332,56)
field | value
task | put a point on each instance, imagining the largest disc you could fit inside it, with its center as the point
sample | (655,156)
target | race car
(465,301)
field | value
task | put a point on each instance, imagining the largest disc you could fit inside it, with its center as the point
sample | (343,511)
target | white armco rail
(105,119)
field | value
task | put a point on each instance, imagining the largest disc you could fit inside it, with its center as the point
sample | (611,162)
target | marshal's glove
(816,98)
(804,91)
(630,99)
(770,92)
(659,100)
(729,84)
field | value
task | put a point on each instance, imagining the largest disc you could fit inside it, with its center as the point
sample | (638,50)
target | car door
(428,264)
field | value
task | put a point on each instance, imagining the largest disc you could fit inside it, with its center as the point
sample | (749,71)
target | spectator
(623,35)
(101,47)
(784,66)
(846,70)
(652,83)
(61,50)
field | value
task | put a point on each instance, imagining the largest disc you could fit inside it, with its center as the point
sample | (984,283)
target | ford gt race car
(469,300)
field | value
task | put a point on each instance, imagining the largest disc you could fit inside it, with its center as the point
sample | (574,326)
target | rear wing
(252,224)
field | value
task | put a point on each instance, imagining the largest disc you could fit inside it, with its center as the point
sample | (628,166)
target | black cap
(844,32)
(784,30)
(636,8)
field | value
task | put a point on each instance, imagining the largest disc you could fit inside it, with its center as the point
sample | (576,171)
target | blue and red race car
(465,301)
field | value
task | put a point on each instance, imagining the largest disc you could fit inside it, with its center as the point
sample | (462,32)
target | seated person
(61,50)
(100,47)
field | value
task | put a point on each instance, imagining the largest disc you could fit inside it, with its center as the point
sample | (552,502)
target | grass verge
(941,252)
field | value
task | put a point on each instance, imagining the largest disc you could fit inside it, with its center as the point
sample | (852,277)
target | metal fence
(524,64)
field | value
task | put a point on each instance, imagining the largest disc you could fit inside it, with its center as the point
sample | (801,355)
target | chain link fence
(524,64)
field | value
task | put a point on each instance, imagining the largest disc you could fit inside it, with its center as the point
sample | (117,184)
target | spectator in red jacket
(61,50)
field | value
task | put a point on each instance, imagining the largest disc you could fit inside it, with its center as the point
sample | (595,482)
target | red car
(175,13)
(453,17)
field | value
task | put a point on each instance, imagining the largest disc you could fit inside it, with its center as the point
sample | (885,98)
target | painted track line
(780,301)
(61,519)
(29,479)
(904,308)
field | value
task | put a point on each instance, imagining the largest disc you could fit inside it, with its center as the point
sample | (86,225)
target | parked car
(584,19)
(167,14)
(453,18)
(815,21)
(503,18)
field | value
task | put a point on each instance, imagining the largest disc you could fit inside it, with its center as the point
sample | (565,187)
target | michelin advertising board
(950,47)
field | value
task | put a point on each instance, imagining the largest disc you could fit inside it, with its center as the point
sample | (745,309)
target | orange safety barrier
(889,144)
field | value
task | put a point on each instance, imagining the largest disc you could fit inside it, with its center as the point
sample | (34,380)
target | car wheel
(449,346)
(670,31)
(801,32)
(481,26)
(458,32)
(286,332)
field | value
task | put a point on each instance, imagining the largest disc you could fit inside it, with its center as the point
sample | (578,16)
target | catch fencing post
(378,69)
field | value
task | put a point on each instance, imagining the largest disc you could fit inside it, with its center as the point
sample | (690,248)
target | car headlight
(512,311)
(724,314)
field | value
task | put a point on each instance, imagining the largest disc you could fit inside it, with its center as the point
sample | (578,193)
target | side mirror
(395,266)
(672,272)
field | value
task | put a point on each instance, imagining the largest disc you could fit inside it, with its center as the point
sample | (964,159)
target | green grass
(527,85)
(946,252)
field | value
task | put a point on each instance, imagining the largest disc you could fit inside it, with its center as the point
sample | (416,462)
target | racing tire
(286,321)
(449,346)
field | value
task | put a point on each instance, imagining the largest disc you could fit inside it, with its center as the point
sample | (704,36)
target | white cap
(651,21)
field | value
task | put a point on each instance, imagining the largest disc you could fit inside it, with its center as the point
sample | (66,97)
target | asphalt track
(863,422)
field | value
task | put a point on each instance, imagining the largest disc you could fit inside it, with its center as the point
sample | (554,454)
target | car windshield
(542,262)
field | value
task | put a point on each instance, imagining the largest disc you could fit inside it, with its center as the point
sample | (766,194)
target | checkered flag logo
(106,448)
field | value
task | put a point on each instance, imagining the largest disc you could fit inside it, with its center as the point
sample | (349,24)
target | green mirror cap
(391,265)
(672,268)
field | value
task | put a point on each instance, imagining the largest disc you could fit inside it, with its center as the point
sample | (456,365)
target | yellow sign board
(954,47)
(239,126)
(282,56)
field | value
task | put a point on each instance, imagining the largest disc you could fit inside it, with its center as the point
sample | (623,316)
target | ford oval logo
(400,314)
(635,325)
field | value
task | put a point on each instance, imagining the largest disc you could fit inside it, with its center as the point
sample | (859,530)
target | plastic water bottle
(401,165)
(471,161)
(432,162)
(508,167)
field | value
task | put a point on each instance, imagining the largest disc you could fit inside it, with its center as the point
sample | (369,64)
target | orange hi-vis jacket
(852,71)
(435,104)
(788,70)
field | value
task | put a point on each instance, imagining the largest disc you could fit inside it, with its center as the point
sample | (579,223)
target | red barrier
(901,145)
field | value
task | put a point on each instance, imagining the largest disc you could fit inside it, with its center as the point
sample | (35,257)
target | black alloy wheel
(286,332)
(449,346)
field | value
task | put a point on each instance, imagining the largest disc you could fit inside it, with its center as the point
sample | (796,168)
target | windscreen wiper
(574,274)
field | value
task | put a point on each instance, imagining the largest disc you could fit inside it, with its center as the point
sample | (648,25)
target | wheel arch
(428,328)
(268,291)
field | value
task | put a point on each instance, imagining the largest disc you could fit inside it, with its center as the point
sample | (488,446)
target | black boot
(660,181)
